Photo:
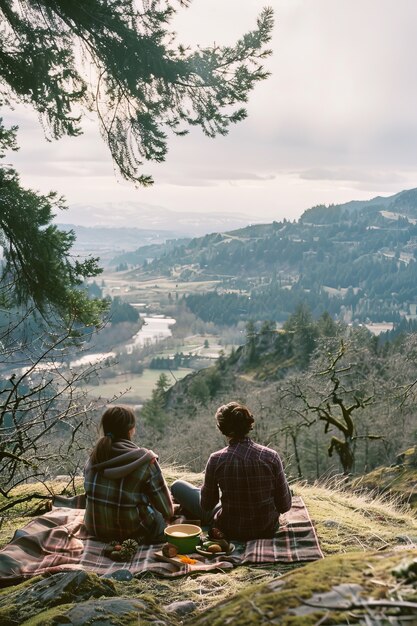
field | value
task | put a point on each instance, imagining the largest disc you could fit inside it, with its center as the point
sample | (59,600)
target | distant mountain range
(109,236)
(142,216)
(107,241)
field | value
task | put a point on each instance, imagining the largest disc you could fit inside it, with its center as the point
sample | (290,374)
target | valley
(167,330)
(354,261)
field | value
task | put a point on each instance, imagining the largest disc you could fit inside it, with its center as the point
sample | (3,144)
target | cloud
(238,176)
(209,177)
(352,175)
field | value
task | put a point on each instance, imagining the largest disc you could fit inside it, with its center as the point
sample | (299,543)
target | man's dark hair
(234,420)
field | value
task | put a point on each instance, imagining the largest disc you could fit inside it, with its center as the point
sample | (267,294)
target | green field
(136,389)
(133,286)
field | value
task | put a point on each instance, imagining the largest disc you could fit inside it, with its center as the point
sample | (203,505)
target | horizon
(236,220)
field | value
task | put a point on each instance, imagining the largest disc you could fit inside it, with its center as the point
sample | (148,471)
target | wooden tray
(175,559)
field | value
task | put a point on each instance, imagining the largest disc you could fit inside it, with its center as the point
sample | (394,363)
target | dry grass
(347,521)
(205,590)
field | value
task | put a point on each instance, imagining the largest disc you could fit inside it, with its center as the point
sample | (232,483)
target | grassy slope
(348,522)
(344,521)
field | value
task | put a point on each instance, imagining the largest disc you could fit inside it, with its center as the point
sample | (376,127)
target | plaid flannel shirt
(121,508)
(252,487)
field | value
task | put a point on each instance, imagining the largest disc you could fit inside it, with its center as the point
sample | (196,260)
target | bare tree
(45,411)
(337,389)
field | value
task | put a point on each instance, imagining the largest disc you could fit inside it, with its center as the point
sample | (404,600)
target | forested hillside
(357,261)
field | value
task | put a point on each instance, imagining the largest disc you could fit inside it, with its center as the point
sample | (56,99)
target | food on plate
(222,543)
(216,533)
(214,548)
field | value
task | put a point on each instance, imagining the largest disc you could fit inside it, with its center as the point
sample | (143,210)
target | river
(155,328)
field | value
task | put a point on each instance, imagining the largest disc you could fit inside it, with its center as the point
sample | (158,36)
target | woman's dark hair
(234,420)
(116,422)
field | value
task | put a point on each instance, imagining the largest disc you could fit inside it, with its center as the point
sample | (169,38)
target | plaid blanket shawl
(58,541)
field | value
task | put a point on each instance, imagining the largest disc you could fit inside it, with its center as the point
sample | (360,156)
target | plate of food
(215,547)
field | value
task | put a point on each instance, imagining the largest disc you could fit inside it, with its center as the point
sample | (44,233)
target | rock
(107,612)
(120,575)
(330,523)
(181,607)
(77,598)
(27,600)
(408,457)
(398,481)
(411,540)
(339,597)
(334,590)
(104,612)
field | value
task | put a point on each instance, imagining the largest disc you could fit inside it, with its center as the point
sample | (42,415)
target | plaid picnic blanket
(58,541)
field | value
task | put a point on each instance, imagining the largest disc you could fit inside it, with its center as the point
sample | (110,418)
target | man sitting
(245,487)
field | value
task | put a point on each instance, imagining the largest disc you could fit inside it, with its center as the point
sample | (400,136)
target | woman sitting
(127,496)
(245,487)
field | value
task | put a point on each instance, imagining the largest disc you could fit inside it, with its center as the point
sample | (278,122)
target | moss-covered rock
(17,604)
(340,589)
(408,457)
(104,612)
(78,598)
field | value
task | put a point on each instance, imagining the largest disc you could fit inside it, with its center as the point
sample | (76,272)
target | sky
(335,121)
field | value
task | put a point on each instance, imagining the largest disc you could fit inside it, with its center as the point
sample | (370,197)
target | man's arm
(210,489)
(158,491)
(282,493)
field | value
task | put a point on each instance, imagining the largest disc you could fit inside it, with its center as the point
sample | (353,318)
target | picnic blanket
(58,541)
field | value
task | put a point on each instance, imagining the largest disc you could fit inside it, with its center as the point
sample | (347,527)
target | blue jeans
(157,533)
(189,497)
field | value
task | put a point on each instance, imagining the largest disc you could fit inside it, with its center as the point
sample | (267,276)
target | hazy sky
(336,121)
